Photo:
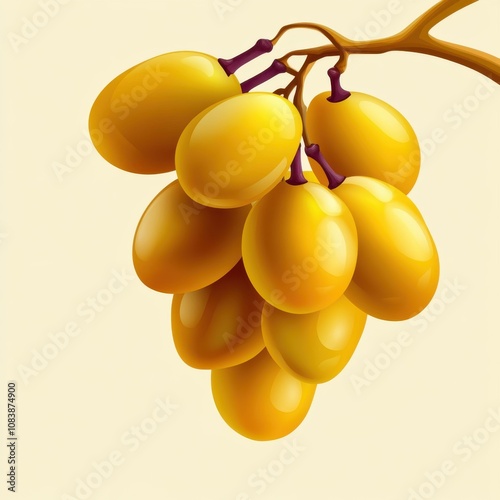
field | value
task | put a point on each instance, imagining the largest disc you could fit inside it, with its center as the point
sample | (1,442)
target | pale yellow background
(62,240)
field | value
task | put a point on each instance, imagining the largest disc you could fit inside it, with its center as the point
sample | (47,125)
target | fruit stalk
(338,93)
(262,46)
(334,179)
(297,175)
(276,68)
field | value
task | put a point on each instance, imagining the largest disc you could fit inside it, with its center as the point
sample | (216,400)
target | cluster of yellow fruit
(273,279)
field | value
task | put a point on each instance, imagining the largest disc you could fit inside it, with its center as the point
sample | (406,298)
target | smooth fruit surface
(137,119)
(397,271)
(259,400)
(300,247)
(237,150)
(219,325)
(363,135)
(314,347)
(180,246)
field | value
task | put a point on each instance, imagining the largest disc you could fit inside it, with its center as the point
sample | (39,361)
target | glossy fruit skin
(365,136)
(220,325)
(180,246)
(137,119)
(259,400)
(299,247)
(236,151)
(314,347)
(397,272)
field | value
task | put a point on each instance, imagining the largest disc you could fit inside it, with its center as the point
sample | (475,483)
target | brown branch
(436,14)
(298,98)
(336,39)
(414,38)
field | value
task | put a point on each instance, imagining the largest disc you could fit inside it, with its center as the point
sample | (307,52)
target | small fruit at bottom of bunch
(236,151)
(137,119)
(314,347)
(397,270)
(260,400)
(180,246)
(299,247)
(220,325)
(362,135)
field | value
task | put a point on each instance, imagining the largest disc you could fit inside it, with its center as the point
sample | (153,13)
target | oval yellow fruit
(237,150)
(397,271)
(259,400)
(220,325)
(299,247)
(364,136)
(314,347)
(180,246)
(137,119)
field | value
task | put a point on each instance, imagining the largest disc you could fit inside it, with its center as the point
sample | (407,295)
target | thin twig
(414,38)
(298,98)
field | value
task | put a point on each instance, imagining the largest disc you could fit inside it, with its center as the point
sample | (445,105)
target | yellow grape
(363,135)
(219,325)
(314,347)
(299,247)
(180,246)
(237,150)
(398,267)
(137,119)
(259,400)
